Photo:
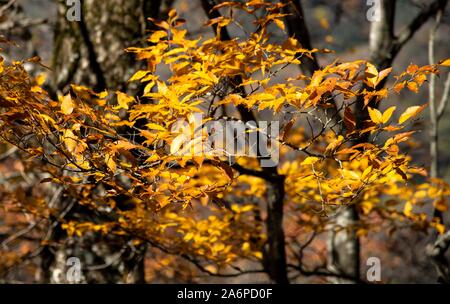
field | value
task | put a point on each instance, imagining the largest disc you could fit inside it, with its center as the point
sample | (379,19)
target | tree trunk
(275,259)
(90,52)
(344,244)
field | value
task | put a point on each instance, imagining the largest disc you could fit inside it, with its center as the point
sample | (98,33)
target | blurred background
(40,28)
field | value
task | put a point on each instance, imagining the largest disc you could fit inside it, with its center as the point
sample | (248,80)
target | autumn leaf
(349,120)
(156,36)
(334,145)
(366,172)
(383,74)
(407,209)
(440,204)
(310,160)
(124,145)
(70,140)
(123,101)
(410,112)
(110,163)
(399,86)
(375,115)
(40,79)
(445,62)
(412,68)
(155,127)
(67,104)
(412,86)
(371,74)
(227,168)
(279,23)
(387,114)
(138,75)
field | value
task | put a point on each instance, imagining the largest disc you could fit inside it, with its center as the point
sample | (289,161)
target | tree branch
(444,99)
(417,23)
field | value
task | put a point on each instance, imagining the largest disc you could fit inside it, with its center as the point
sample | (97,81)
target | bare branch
(444,99)
(434,153)
(418,21)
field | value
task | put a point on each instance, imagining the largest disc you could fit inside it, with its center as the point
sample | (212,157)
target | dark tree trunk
(90,52)
(275,257)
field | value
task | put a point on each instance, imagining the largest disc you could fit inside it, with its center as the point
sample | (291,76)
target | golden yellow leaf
(383,74)
(138,75)
(332,146)
(387,114)
(110,163)
(445,62)
(102,94)
(310,160)
(375,115)
(155,127)
(410,112)
(124,145)
(40,79)
(407,210)
(366,172)
(371,74)
(246,247)
(156,36)
(399,86)
(279,23)
(440,228)
(67,104)
(70,140)
(123,100)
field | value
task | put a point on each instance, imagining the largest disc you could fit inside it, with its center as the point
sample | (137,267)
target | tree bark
(437,250)
(344,244)
(90,52)
(275,257)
